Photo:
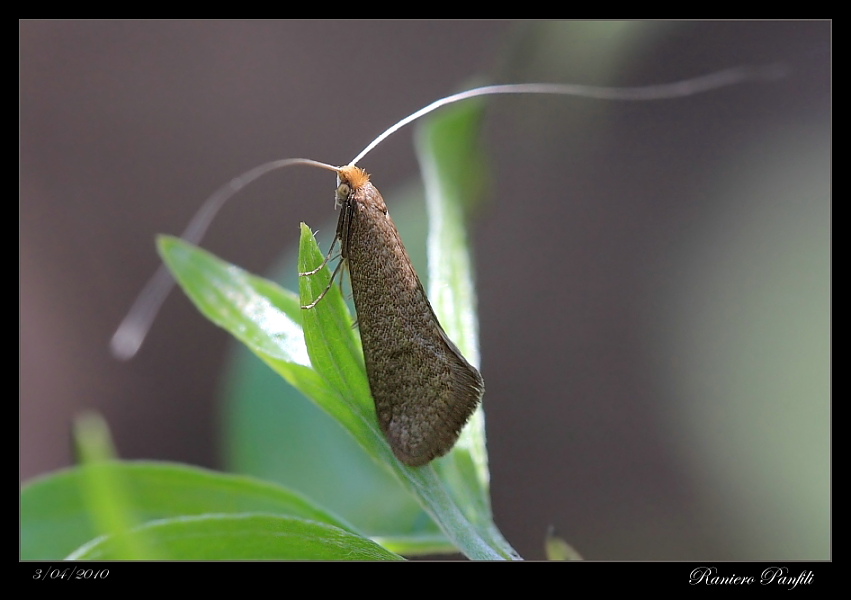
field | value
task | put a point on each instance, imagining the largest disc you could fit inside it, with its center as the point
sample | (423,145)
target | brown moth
(424,389)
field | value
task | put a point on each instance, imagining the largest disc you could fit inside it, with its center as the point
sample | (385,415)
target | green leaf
(56,517)
(244,537)
(455,178)
(335,351)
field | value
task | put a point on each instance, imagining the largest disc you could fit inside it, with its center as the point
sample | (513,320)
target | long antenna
(134,328)
(677,89)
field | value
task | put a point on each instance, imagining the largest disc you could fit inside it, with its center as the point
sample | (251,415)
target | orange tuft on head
(354,176)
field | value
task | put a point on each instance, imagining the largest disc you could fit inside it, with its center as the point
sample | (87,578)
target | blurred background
(653,278)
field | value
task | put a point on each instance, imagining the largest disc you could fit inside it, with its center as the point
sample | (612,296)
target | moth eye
(343,191)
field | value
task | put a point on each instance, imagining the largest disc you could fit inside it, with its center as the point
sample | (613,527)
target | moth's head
(349,179)
(354,176)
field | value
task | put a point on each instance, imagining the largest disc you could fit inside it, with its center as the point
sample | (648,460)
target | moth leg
(324,262)
(328,287)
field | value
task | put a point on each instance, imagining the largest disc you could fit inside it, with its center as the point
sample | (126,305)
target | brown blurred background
(653,278)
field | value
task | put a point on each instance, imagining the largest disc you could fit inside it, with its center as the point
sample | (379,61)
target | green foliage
(59,513)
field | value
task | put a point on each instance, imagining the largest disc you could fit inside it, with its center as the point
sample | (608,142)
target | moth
(424,389)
